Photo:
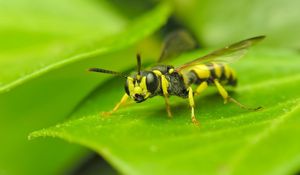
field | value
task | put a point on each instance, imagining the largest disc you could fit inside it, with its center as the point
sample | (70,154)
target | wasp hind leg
(227,98)
(118,105)
(192,105)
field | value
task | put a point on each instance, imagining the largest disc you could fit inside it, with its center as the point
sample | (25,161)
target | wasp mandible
(166,80)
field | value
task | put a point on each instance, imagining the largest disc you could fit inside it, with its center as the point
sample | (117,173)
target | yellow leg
(227,98)
(222,91)
(123,101)
(168,106)
(192,104)
(165,84)
(201,88)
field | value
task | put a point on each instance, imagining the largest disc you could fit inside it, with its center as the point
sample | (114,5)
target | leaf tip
(32,136)
(39,133)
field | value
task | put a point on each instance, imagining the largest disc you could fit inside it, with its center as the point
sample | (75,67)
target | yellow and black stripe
(209,72)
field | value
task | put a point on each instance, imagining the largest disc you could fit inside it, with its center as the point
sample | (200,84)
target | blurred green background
(46,46)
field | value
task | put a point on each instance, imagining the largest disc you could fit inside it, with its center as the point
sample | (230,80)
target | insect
(166,80)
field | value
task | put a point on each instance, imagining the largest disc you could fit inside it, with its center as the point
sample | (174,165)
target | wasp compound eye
(151,82)
(126,88)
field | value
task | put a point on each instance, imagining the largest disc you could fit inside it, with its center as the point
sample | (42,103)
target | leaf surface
(140,139)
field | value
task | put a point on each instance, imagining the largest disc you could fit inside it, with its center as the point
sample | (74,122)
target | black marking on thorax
(164,69)
(176,85)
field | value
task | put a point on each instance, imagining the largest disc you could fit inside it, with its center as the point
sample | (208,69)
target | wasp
(166,80)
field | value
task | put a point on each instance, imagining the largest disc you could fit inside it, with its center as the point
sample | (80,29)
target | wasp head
(139,87)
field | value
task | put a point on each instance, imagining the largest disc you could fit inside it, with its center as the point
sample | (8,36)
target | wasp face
(140,87)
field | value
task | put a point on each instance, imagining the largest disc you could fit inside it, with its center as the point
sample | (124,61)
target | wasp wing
(225,55)
(176,43)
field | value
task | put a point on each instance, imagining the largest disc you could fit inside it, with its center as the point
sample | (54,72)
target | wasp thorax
(140,87)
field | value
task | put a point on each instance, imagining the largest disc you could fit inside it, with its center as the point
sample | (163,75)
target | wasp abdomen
(210,71)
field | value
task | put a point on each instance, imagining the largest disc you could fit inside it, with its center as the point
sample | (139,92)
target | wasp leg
(164,83)
(227,98)
(123,101)
(168,108)
(192,104)
(201,88)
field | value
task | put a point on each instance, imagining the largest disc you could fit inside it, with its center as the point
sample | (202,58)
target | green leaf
(219,22)
(53,50)
(140,139)
(40,36)
(39,48)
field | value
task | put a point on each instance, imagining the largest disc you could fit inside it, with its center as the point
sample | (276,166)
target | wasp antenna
(105,71)
(139,64)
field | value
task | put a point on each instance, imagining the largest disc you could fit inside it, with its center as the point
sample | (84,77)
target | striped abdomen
(210,71)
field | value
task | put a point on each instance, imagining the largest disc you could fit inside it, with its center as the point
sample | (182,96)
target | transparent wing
(225,55)
(176,43)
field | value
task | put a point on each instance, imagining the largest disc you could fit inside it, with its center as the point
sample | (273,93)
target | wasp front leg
(227,98)
(192,105)
(168,108)
(164,83)
(118,105)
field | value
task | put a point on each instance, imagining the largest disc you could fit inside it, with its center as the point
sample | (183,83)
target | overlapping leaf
(216,22)
(54,50)
(37,39)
